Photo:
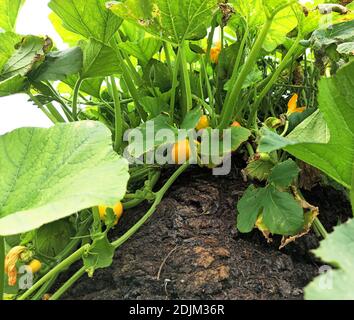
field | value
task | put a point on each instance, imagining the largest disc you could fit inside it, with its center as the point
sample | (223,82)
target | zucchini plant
(145,85)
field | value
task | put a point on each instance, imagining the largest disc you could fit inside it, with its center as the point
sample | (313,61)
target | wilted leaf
(29,55)
(58,65)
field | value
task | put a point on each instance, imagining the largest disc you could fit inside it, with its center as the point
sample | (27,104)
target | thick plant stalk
(2,267)
(128,80)
(186,83)
(228,109)
(117,116)
(174,85)
(236,89)
(67,285)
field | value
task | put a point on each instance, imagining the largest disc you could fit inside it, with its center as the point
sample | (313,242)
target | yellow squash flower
(215,52)
(292,105)
(10,263)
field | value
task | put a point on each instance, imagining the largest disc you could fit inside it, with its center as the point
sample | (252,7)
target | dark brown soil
(190,249)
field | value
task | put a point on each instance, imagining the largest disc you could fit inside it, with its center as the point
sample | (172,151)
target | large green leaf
(100,60)
(8,13)
(284,173)
(308,141)
(88,18)
(143,49)
(338,34)
(52,238)
(214,145)
(8,41)
(171,20)
(284,22)
(67,36)
(58,65)
(281,213)
(144,139)
(249,207)
(13,85)
(28,56)
(48,174)
(254,13)
(338,250)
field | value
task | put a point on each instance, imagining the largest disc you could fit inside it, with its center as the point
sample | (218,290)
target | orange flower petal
(292,105)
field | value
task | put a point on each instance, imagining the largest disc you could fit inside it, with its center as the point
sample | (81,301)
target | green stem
(238,61)
(67,285)
(128,80)
(44,289)
(75,98)
(186,83)
(228,109)
(210,41)
(63,265)
(61,101)
(206,107)
(74,243)
(159,196)
(117,115)
(55,113)
(274,78)
(174,85)
(249,149)
(2,267)
(42,108)
(207,83)
(167,54)
(320,228)
(135,202)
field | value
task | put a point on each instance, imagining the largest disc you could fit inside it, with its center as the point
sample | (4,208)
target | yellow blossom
(292,105)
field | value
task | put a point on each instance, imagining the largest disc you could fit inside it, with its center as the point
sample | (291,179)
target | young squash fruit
(35,265)
(181,152)
(117,209)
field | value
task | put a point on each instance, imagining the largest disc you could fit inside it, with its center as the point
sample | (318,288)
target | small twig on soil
(164,262)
